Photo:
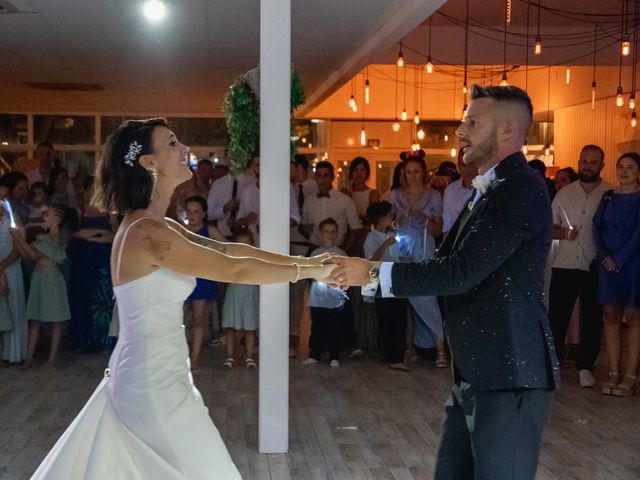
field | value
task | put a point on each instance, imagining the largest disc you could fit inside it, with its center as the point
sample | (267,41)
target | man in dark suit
(490,270)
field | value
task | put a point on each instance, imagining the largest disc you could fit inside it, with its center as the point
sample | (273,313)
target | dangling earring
(154,173)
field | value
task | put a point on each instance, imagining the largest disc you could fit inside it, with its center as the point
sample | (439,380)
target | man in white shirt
(224,199)
(574,270)
(249,205)
(46,156)
(328,203)
(457,193)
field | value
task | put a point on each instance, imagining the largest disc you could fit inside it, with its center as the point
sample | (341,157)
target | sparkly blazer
(490,270)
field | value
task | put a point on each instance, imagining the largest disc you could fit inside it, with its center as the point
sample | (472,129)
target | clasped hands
(345,272)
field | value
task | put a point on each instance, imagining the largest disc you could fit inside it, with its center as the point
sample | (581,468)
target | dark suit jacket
(490,270)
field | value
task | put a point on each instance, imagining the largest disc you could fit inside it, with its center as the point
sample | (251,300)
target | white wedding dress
(146,420)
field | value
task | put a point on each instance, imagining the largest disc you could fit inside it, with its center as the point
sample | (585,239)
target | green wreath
(242,109)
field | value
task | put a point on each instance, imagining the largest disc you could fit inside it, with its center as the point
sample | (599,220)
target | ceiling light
(154,10)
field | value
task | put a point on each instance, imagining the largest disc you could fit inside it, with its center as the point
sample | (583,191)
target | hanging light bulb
(625,47)
(568,75)
(593,95)
(446,137)
(352,102)
(403,115)
(396,126)
(400,61)
(547,150)
(366,91)
(363,137)
(453,152)
(634,120)
(632,101)
(416,118)
(508,12)
(355,107)
(619,98)
(421,134)
(464,110)
(429,66)
(504,82)
(537,49)
(464,88)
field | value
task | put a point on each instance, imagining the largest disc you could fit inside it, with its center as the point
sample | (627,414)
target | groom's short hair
(508,97)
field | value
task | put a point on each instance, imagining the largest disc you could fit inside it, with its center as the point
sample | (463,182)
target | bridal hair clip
(132,155)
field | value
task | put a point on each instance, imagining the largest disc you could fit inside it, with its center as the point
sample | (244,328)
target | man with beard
(490,270)
(574,268)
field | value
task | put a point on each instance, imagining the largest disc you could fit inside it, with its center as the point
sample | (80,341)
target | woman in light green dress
(48,301)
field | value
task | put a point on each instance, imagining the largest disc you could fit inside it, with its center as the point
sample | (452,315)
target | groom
(490,269)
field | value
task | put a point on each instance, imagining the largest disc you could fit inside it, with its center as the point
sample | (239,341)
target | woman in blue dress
(205,291)
(616,231)
(418,213)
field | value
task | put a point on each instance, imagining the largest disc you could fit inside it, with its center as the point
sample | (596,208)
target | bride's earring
(154,173)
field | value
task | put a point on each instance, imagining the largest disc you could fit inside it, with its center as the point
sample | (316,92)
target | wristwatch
(374,273)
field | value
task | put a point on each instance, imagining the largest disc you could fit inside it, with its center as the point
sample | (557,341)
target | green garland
(242,109)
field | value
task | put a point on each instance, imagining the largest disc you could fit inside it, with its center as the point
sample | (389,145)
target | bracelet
(297,273)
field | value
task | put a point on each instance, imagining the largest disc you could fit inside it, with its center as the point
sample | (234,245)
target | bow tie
(320,195)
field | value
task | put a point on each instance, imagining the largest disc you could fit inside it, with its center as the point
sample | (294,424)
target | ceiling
(185,64)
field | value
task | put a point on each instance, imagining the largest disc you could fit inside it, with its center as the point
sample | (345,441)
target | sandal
(250,363)
(441,361)
(228,363)
(609,385)
(627,388)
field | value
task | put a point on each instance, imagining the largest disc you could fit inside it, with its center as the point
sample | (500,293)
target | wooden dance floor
(359,421)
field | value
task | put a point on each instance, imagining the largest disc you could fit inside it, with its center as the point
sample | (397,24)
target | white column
(275,86)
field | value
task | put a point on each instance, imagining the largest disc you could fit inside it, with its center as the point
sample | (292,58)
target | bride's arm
(162,246)
(240,249)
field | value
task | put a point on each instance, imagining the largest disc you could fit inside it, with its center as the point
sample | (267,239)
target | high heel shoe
(609,385)
(627,388)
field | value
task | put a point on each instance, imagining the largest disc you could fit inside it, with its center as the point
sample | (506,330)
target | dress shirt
(299,242)
(337,206)
(250,202)
(220,194)
(572,206)
(455,196)
(322,295)
(373,242)
(309,187)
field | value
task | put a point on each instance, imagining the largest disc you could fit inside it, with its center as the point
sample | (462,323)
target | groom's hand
(350,271)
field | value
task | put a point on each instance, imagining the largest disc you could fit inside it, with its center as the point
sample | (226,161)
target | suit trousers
(566,286)
(392,314)
(494,435)
(325,332)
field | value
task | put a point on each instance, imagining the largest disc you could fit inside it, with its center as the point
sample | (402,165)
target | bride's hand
(317,260)
(323,273)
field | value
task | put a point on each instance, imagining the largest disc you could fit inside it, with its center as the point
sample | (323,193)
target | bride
(146,419)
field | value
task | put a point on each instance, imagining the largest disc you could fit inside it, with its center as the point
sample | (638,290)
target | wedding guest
(224,199)
(457,193)
(198,185)
(381,245)
(18,192)
(240,313)
(448,169)
(418,213)
(12,284)
(58,190)
(204,294)
(574,270)
(564,177)
(326,303)
(541,169)
(47,160)
(397,181)
(358,190)
(48,301)
(37,202)
(616,232)
(90,288)
(439,183)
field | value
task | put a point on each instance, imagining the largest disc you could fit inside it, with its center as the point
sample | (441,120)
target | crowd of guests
(55,267)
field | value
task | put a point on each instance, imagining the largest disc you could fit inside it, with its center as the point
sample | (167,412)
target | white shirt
(338,206)
(573,207)
(250,202)
(220,194)
(309,188)
(455,196)
(373,242)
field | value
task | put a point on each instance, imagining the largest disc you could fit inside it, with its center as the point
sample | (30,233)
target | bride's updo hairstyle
(122,184)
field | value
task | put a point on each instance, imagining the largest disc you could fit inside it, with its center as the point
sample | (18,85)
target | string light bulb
(396,126)
(400,61)
(454,152)
(632,101)
(352,102)
(416,118)
(446,137)
(366,91)
(363,137)
(568,75)
(421,134)
(625,46)
(504,82)
(429,66)
(593,95)
(537,49)
(464,88)
(634,120)
(355,107)
(403,115)
(619,99)
(415,146)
